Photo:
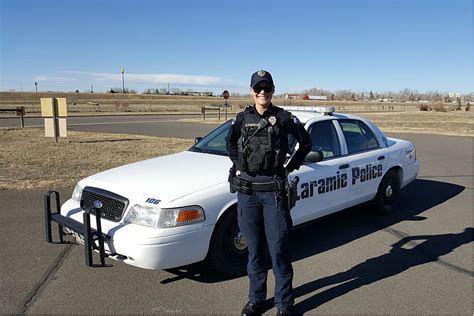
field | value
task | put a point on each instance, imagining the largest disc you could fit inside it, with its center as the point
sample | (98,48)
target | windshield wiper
(198,149)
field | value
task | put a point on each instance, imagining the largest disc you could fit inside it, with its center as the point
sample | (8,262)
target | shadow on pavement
(374,269)
(343,227)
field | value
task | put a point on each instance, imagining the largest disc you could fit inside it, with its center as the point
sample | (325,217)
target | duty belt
(247,186)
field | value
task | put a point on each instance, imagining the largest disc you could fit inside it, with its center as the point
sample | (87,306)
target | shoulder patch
(295,119)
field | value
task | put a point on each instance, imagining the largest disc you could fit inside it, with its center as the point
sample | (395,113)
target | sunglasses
(264,87)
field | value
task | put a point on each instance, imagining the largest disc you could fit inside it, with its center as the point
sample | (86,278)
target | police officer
(257,144)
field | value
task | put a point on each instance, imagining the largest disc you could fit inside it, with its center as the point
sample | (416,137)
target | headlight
(163,218)
(77,193)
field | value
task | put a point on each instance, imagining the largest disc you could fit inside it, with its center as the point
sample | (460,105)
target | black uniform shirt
(290,125)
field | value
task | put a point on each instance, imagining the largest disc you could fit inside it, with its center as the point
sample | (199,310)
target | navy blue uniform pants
(265,221)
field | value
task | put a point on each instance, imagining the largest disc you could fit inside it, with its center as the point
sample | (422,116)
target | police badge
(272,120)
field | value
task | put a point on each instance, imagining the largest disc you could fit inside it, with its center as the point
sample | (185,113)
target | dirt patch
(28,160)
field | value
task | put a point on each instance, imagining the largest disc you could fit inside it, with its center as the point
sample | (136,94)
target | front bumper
(147,247)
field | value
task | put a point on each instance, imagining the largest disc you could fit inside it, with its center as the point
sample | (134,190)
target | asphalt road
(153,125)
(417,260)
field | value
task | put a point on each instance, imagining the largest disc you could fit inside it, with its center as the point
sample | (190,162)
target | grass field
(28,160)
(86,103)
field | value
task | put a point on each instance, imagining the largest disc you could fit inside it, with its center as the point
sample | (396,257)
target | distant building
(315,97)
(292,96)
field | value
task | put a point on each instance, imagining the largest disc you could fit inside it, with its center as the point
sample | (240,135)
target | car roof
(304,114)
(314,114)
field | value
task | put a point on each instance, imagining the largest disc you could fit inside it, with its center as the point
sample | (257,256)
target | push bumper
(147,247)
(93,238)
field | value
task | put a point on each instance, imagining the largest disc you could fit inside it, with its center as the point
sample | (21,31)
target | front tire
(388,192)
(228,253)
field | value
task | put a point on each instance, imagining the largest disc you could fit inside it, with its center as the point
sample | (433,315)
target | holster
(291,189)
(231,180)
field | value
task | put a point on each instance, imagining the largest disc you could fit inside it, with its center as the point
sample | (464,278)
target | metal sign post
(225,95)
(123,80)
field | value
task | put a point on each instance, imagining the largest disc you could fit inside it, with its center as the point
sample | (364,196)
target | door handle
(381,158)
(344,166)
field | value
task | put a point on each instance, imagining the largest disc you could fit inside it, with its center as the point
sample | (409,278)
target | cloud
(51,78)
(161,78)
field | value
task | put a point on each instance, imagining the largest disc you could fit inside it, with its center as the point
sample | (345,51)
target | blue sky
(215,45)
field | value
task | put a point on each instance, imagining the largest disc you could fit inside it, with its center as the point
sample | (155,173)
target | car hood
(165,178)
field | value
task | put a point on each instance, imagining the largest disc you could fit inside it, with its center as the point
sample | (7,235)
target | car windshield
(214,142)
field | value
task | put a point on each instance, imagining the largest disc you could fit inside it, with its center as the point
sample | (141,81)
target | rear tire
(228,253)
(387,194)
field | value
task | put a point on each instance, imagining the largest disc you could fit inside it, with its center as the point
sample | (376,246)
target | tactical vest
(265,151)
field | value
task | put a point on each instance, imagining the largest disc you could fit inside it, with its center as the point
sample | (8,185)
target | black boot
(251,309)
(285,312)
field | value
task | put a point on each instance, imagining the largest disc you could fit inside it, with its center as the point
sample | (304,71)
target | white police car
(174,210)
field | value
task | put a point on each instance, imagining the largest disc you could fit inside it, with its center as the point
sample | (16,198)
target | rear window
(324,138)
(358,136)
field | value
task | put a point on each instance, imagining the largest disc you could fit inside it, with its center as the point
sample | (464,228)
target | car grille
(113,205)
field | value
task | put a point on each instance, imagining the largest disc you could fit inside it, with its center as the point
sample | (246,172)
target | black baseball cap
(259,76)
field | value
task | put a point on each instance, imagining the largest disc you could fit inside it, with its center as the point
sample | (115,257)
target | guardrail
(204,109)
(20,111)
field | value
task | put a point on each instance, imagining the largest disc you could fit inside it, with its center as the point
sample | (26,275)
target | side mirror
(197,140)
(314,156)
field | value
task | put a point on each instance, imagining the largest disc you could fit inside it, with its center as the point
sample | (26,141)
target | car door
(366,160)
(323,186)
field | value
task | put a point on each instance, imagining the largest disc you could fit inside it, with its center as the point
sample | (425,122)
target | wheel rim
(235,246)
(389,192)
(240,243)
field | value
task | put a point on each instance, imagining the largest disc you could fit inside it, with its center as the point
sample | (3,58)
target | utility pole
(21,87)
(168,88)
(92,88)
(123,80)
(36,86)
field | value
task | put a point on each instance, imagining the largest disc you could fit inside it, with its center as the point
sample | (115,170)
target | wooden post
(55,119)
(20,111)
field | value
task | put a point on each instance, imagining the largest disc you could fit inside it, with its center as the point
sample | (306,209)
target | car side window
(358,136)
(324,138)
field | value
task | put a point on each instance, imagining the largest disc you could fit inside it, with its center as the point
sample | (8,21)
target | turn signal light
(188,215)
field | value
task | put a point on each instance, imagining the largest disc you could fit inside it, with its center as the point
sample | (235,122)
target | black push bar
(90,234)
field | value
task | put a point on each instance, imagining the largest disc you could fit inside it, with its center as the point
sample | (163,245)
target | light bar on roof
(325,110)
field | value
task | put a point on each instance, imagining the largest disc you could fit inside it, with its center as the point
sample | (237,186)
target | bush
(468,107)
(424,107)
(440,108)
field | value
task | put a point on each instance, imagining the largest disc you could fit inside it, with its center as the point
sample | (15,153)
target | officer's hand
(237,173)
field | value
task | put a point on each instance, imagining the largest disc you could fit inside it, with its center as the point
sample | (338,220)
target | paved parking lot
(418,260)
